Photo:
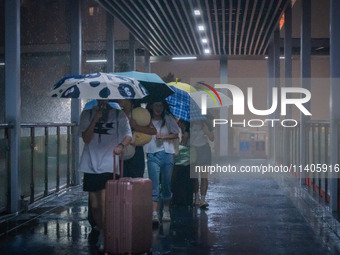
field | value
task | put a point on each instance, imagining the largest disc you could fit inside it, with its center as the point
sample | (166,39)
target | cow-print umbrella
(99,86)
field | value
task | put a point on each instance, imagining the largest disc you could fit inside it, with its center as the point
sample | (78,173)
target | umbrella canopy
(157,88)
(211,101)
(183,86)
(99,86)
(183,107)
(89,105)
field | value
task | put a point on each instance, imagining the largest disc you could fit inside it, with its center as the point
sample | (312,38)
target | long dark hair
(166,110)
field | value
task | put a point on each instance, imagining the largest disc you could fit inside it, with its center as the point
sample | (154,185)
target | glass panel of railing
(39,161)
(63,156)
(3,170)
(52,159)
(25,162)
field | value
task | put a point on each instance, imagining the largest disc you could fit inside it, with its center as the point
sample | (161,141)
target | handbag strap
(114,156)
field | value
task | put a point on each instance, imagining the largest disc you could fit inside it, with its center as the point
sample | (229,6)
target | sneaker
(166,216)
(204,204)
(155,219)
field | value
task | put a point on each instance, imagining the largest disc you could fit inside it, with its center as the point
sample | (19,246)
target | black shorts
(96,182)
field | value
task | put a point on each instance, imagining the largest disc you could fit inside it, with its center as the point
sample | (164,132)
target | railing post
(68,181)
(58,159)
(46,162)
(32,166)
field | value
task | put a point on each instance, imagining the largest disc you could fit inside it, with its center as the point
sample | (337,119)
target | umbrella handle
(121,165)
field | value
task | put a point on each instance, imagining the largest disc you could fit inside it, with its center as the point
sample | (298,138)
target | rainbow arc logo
(204,97)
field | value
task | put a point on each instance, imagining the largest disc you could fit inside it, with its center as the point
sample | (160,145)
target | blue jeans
(160,164)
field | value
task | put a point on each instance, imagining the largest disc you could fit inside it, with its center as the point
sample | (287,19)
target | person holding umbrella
(160,154)
(135,166)
(104,130)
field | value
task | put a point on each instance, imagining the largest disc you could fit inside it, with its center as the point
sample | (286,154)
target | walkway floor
(245,216)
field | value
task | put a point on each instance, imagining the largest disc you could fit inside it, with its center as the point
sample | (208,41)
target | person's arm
(149,130)
(166,136)
(124,130)
(185,138)
(208,133)
(173,130)
(120,147)
(87,135)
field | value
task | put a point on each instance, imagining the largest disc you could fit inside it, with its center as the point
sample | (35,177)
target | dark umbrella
(157,88)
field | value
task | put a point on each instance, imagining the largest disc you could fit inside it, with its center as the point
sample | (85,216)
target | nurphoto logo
(239,105)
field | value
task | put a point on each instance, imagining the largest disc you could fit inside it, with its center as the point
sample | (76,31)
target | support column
(13,96)
(334,95)
(76,50)
(305,56)
(270,85)
(223,130)
(288,75)
(276,83)
(132,55)
(110,43)
(147,66)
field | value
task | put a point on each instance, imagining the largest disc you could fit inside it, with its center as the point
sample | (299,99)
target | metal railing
(317,152)
(5,133)
(287,151)
(47,160)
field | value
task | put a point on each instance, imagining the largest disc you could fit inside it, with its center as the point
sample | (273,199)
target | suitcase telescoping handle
(121,165)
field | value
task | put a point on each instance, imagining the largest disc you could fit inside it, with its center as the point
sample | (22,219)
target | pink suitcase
(128,215)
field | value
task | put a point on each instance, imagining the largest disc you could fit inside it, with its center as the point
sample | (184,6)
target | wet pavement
(245,216)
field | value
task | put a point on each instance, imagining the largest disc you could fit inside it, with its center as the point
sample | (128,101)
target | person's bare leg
(98,210)
(204,189)
(197,200)
(155,206)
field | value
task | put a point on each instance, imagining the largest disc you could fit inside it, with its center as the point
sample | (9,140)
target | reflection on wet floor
(245,216)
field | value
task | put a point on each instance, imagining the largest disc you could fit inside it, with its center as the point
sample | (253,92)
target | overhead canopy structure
(200,27)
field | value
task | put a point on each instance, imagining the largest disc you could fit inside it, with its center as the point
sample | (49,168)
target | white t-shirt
(197,135)
(156,145)
(97,156)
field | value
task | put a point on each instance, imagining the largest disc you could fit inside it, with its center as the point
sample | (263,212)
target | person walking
(105,131)
(134,167)
(200,133)
(160,157)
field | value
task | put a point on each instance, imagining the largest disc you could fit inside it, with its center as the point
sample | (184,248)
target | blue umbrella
(183,106)
(89,105)
(157,88)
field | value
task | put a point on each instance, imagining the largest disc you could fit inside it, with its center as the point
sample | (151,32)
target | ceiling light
(183,58)
(96,61)
(201,28)
(204,40)
(281,57)
(206,51)
(197,12)
(320,48)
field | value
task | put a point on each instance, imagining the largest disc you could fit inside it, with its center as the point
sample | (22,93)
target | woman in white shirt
(160,154)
